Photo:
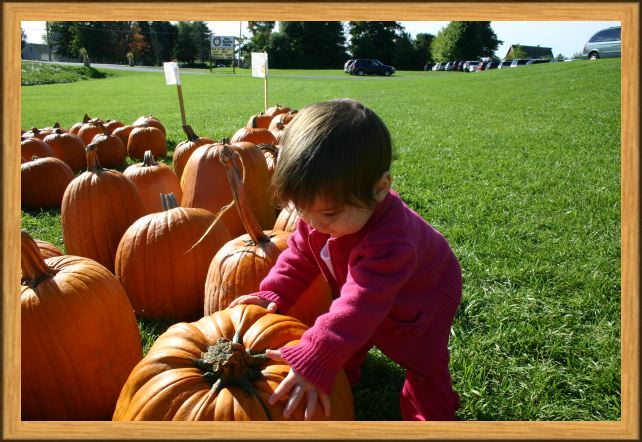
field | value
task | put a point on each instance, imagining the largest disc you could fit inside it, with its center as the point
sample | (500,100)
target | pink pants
(423,398)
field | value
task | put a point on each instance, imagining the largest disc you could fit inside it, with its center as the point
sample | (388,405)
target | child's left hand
(300,387)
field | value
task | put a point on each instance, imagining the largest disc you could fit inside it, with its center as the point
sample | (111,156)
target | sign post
(172,77)
(260,69)
(221,47)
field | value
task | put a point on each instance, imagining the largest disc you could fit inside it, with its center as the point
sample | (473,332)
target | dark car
(538,61)
(519,62)
(366,66)
(346,66)
(491,65)
(428,66)
(604,44)
(504,64)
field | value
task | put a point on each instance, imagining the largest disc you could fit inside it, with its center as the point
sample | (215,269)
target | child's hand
(253,299)
(299,387)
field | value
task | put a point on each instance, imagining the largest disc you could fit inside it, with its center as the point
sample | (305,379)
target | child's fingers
(311,404)
(295,397)
(272,307)
(325,402)
(282,389)
(275,355)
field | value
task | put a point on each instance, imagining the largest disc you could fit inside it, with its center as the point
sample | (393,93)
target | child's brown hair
(336,150)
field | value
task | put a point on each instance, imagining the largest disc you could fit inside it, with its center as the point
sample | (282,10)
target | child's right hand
(253,299)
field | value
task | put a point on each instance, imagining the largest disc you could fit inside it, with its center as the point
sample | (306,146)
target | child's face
(340,220)
(334,220)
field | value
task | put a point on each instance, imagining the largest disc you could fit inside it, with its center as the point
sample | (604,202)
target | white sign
(260,64)
(222,42)
(171,73)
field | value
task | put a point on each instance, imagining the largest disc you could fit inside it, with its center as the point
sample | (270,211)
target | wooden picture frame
(627,13)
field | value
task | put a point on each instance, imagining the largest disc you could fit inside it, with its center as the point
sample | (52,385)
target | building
(34,51)
(531,51)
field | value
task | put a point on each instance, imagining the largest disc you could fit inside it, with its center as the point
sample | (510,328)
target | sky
(564,37)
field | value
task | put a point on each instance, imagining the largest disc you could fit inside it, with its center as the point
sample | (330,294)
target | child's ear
(382,187)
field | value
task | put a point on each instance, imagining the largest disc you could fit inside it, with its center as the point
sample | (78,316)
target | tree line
(304,45)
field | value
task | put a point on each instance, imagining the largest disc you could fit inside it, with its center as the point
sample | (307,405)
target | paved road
(207,72)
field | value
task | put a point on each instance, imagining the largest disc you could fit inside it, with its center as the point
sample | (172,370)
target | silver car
(604,44)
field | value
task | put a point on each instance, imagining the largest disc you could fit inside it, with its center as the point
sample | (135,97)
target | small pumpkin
(150,120)
(276,110)
(43,182)
(260,120)
(253,135)
(186,148)
(271,153)
(112,125)
(33,146)
(79,337)
(278,131)
(242,263)
(153,179)
(47,250)
(75,128)
(90,129)
(215,369)
(97,207)
(160,277)
(111,150)
(68,147)
(287,219)
(146,137)
(123,133)
(284,119)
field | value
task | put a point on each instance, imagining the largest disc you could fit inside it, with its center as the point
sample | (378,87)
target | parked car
(438,67)
(449,66)
(518,62)
(604,44)
(473,66)
(538,61)
(504,64)
(366,66)
(429,66)
(491,65)
(346,66)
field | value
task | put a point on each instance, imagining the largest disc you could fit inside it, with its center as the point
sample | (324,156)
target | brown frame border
(627,13)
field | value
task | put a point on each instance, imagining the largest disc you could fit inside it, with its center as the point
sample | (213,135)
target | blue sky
(565,37)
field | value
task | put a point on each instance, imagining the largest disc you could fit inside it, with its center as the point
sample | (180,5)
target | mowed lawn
(518,168)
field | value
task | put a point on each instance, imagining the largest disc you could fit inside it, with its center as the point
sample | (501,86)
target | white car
(473,66)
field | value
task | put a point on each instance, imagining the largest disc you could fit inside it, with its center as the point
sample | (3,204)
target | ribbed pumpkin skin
(166,384)
(79,342)
(161,280)
(256,136)
(150,120)
(69,148)
(34,146)
(185,150)
(239,267)
(89,130)
(145,138)
(205,184)
(47,250)
(111,150)
(123,133)
(97,207)
(43,182)
(152,180)
(287,219)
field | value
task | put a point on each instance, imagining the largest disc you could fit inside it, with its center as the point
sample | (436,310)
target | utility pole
(48,39)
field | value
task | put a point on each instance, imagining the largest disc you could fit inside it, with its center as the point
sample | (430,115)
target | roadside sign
(260,64)
(171,73)
(222,47)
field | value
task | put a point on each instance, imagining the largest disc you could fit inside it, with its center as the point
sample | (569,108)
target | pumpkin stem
(254,122)
(34,268)
(248,219)
(85,118)
(270,148)
(148,159)
(56,125)
(168,200)
(93,165)
(191,135)
(228,363)
(212,226)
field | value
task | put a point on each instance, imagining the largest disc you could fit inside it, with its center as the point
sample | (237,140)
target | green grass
(38,73)
(518,168)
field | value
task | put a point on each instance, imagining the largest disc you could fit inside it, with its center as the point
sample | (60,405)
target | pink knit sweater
(398,284)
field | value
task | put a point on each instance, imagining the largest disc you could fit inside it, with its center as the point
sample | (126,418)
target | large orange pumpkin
(68,147)
(146,137)
(97,207)
(287,219)
(186,148)
(215,369)
(153,179)
(48,250)
(90,129)
(43,182)
(79,337)
(253,135)
(277,109)
(111,150)
(33,146)
(150,120)
(260,120)
(241,264)
(161,279)
(205,184)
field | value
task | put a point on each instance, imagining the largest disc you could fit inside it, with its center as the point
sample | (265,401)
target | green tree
(461,40)
(373,39)
(422,44)
(23,39)
(164,36)
(260,39)
(517,53)
(201,35)
(185,49)
(310,44)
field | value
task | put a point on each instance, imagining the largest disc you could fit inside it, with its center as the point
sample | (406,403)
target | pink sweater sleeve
(374,279)
(292,273)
